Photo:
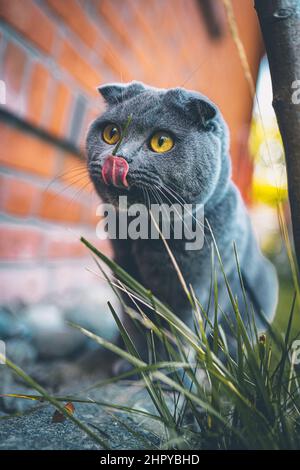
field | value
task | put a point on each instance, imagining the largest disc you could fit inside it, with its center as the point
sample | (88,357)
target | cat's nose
(114,171)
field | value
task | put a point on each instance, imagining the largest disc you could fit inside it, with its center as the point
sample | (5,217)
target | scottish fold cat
(176,149)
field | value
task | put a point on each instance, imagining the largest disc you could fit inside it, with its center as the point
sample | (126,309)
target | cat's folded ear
(198,108)
(115,93)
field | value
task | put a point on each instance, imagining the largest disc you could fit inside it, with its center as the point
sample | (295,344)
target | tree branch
(280,25)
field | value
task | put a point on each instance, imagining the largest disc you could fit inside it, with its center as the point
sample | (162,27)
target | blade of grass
(33,384)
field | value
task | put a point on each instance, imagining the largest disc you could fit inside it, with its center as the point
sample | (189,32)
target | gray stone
(35,430)
(9,385)
(50,334)
(20,351)
(10,325)
(92,313)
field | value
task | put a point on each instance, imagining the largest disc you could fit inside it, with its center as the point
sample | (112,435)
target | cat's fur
(198,166)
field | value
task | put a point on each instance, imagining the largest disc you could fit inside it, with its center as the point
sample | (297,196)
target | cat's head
(175,145)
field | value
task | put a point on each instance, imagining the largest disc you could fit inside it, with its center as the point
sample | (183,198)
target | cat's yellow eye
(111,134)
(161,142)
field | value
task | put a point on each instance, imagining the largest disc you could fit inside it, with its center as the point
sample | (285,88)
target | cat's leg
(261,284)
(124,257)
(259,296)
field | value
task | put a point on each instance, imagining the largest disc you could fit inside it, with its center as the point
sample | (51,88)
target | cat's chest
(158,273)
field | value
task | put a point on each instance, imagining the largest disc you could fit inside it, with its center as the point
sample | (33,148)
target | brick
(25,151)
(23,284)
(93,219)
(140,20)
(66,278)
(13,73)
(20,242)
(109,11)
(37,93)
(92,114)
(2,189)
(30,21)
(60,112)
(74,171)
(117,64)
(74,16)
(104,246)
(78,21)
(81,70)
(64,247)
(20,196)
(56,206)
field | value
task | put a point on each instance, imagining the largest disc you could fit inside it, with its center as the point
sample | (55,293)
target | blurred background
(53,55)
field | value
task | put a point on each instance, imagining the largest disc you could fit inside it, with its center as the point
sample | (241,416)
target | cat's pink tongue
(114,171)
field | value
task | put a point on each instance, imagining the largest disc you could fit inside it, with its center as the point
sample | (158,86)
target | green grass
(286,293)
(203,396)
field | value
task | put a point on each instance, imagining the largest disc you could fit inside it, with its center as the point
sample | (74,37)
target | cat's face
(171,150)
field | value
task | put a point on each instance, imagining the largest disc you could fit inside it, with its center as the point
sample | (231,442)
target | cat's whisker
(160,202)
(76,195)
(199,224)
(174,189)
(189,176)
(156,195)
(179,215)
(141,183)
(77,170)
(174,192)
(175,195)
(160,188)
(148,199)
(95,163)
(79,192)
(164,188)
(68,186)
(144,196)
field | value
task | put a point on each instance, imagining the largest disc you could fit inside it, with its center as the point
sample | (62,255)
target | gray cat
(176,149)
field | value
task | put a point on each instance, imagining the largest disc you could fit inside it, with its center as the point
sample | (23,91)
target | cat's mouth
(114,178)
(114,172)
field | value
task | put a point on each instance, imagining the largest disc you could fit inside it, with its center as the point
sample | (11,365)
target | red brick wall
(53,54)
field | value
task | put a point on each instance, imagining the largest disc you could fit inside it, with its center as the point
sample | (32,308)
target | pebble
(50,334)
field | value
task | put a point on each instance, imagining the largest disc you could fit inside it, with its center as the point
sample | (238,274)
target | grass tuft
(204,396)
